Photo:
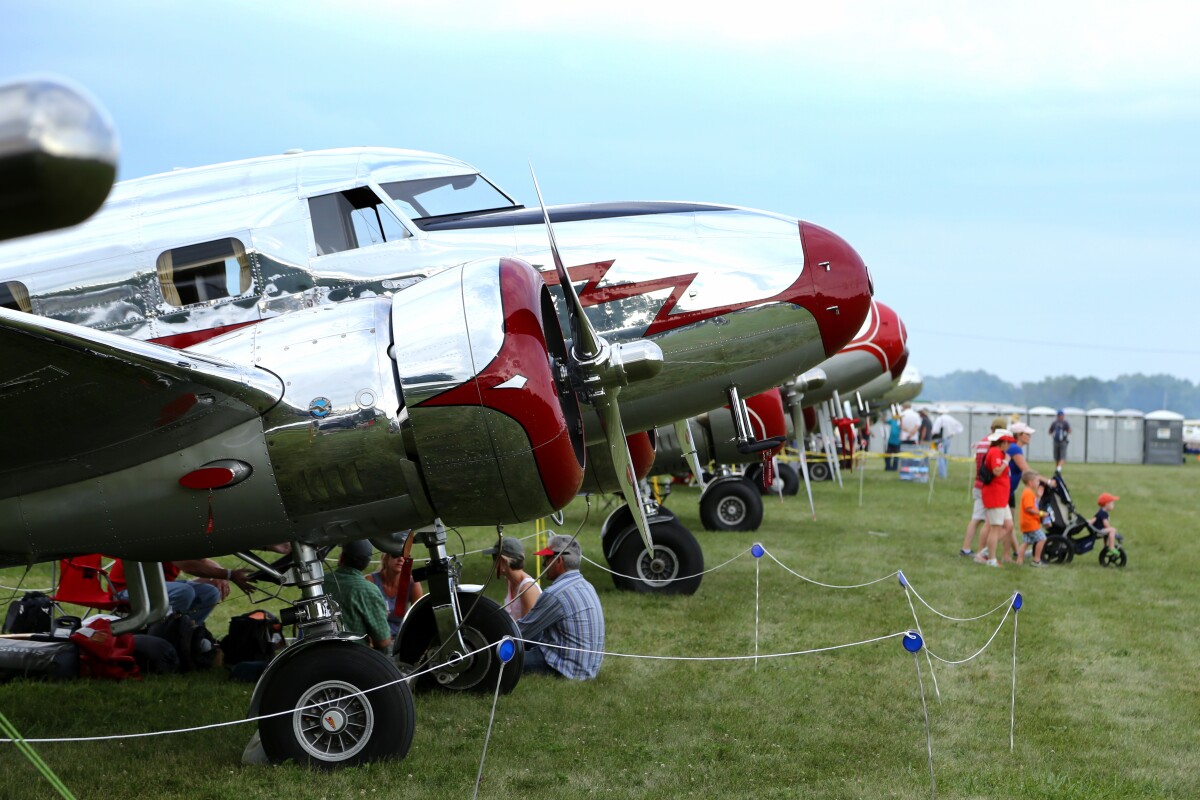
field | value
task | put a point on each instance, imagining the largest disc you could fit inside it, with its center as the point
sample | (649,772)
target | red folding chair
(83,582)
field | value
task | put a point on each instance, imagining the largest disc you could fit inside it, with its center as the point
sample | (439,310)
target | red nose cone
(841,282)
(898,367)
(891,338)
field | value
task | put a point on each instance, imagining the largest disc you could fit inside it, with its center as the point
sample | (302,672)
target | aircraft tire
(370,727)
(1057,550)
(784,471)
(820,471)
(676,555)
(731,506)
(484,623)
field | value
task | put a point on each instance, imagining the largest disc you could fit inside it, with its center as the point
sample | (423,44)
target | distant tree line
(1143,392)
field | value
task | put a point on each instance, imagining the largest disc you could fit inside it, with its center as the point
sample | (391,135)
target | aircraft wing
(76,403)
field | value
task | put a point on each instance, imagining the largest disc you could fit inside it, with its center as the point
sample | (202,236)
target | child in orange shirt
(1031,518)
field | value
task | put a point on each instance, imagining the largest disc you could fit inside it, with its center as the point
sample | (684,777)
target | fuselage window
(198,273)
(352,219)
(14,295)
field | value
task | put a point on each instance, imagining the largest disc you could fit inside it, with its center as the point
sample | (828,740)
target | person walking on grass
(1031,518)
(978,517)
(994,494)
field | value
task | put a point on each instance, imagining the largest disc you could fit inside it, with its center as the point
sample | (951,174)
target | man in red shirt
(994,494)
(977,513)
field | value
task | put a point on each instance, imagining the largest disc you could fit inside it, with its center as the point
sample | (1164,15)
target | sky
(1023,179)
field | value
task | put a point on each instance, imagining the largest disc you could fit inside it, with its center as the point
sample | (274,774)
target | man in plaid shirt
(567,617)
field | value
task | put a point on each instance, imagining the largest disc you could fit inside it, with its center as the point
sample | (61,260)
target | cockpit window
(15,296)
(352,219)
(207,271)
(441,197)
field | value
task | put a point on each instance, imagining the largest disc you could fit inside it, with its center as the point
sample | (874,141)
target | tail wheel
(1107,560)
(1057,550)
(333,723)
(731,505)
(676,555)
(484,623)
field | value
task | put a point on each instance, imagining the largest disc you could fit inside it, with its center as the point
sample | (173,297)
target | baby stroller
(1068,533)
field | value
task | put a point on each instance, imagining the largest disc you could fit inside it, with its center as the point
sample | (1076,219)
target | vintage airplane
(731,501)
(369,345)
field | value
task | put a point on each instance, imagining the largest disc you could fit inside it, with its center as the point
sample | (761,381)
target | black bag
(30,614)
(41,656)
(193,643)
(985,474)
(252,637)
(154,654)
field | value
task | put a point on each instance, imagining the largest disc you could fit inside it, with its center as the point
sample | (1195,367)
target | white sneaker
(991,562)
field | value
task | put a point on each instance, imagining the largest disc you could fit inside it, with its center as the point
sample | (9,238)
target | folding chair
(83,582)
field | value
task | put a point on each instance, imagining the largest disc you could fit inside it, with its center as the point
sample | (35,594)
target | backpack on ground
(192,641)
(252,637)
(30,614)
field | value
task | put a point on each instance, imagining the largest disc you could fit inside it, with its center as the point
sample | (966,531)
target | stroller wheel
(1057,550)
(1107,560)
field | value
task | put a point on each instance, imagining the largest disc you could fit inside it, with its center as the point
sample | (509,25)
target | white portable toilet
(1164,438)
(981,416)
(1131,438)
(1077,446)
(1041,446)
(1101,436)
(960,445)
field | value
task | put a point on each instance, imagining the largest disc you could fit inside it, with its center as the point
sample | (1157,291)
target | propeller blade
(584,339)
(687,443)
(798,428)
(618,447)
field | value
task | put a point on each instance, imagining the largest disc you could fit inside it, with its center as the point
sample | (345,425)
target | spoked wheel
(677,555)
(485,623)
(336,719)
(1057,550)
(731,505)
(1107,560)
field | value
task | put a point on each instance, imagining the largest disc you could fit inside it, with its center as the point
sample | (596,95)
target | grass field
(1108,704)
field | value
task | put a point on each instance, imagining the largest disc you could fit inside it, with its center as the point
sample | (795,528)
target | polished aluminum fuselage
(716,266)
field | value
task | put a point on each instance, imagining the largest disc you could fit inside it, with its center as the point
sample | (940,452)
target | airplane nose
(892,335)
(841,282)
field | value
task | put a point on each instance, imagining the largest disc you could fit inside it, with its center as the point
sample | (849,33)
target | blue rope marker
(900,577)
(913,643)
(1017,602)
(506,650)
(757,550)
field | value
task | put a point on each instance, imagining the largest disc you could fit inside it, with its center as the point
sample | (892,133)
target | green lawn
(1107,698)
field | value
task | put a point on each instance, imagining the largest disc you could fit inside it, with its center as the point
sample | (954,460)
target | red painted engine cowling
(506,444)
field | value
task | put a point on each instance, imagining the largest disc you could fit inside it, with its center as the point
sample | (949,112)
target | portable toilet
(1164,438)
(980,417)
(1077,443)
(1041,446)
(1131,439)
(1101,436)
(960,445)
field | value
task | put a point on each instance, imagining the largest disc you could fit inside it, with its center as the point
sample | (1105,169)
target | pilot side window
(14,295)
(201,272)
(351,219)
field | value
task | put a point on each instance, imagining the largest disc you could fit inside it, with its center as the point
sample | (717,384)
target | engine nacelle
(446,400)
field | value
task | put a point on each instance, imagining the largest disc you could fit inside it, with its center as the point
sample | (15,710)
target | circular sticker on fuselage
(320,407)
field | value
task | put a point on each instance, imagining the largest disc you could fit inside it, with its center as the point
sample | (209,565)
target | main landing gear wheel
(819,471)
(731,505)
(784,471)
(1107,560)
(676,555)
(331,724)
(1057,550)
(484,624)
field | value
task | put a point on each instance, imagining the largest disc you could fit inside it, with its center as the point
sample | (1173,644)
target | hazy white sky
(1023,178)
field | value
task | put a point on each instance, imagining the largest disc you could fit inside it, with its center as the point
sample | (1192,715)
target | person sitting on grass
(362,607)
(1031,518)
(1101,523)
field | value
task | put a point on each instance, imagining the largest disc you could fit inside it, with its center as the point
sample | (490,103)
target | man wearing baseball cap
(1060,432)
(566,622)
(361,604)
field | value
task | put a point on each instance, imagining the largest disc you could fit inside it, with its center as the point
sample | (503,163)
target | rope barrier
(980,650)
(829,585)
(716,658)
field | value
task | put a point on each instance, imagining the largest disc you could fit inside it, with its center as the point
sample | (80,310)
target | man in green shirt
(363,608)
